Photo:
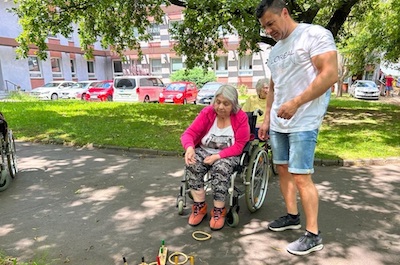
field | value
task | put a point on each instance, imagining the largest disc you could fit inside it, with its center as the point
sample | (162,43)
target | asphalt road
(84,206)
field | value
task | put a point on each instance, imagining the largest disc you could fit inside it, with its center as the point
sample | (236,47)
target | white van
(137,88)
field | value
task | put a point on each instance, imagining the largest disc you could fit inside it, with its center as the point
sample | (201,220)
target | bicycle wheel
(257,177)
(11,155)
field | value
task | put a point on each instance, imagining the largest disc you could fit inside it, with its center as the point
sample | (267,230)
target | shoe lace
(196,210)
(217,213)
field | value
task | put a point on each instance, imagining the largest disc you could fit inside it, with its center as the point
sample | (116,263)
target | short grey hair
(260,84)
(231,94)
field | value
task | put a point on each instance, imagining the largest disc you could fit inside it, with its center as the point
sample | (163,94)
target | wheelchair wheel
(232,217)
(11,155)
(257,179)
(181,204)
(5,180)
(273,166)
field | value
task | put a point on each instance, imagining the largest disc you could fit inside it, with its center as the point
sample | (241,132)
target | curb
(317,162)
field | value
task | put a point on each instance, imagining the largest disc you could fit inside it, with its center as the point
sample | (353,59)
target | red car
(181,92)
(102,91)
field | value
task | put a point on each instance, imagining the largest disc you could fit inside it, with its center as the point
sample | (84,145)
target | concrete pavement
(93,206)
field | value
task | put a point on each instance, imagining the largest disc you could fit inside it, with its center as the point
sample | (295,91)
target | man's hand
(190,156)
(263,130)
(287,110)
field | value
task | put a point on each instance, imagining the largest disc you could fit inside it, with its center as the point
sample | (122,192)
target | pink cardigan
(202,124)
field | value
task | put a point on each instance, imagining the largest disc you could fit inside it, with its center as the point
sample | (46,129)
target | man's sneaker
(284,223)
(198,214)
(305,244)
(217,218)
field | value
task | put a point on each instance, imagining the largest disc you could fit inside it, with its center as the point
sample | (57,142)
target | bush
(242,89)
(196,75)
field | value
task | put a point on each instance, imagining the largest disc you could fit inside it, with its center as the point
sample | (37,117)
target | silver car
(364,89)
(207,92)
(78,90)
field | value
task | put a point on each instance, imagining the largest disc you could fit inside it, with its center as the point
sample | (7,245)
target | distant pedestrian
(389,84)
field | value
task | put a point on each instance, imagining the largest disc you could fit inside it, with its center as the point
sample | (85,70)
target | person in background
(258,101)
(303,66)
(389,85)
(213,143)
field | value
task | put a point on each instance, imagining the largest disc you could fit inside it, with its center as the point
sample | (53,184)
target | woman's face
(222,106)
(264,91)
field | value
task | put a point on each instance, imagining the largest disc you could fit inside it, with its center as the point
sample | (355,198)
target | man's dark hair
(275,6)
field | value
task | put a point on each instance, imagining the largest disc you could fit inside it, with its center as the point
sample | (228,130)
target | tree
(199,35)
(374,37)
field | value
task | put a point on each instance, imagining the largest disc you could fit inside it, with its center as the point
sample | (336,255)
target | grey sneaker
(284,223)
(305,244)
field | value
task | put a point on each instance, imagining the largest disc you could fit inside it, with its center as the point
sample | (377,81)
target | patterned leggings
(220,173)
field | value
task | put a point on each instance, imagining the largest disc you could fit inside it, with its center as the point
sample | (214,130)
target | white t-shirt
(292,71)
(217,139)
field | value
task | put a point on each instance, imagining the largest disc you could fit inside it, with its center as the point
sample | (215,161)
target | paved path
(91,207)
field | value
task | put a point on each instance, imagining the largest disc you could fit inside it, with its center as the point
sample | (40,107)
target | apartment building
(66,62)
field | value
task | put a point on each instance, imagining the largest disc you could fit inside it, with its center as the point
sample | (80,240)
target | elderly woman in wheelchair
(217,146)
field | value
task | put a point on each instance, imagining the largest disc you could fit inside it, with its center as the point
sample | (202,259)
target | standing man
(303,66)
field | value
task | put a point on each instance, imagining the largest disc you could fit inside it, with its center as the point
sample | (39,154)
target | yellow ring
(178,254)
(207,235)
(153,263)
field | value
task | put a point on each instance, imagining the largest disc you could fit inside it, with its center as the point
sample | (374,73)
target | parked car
(51,91)
(181,92)
(78,90)
(137,88)
(207,92)
(102,91)
(364,89)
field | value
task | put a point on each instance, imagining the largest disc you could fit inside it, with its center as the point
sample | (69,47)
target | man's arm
(327,66)
(263,130)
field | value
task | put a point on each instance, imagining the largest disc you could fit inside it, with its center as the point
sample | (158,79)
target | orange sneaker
(198,214)
(217,218)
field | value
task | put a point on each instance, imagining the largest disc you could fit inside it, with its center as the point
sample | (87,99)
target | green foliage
(196,75)
(352,128)
(374,37)
(200,37)
(113,22)
(242,90)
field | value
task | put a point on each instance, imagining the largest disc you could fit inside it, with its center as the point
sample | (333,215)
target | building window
(221,66)
(73,68)
(176,64)
(90,67)
(154,31)
(117,68)
(34,67)
(246,65)
(156,67)
(56,67)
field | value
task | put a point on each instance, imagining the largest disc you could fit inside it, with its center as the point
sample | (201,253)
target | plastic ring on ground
(206,235)
(178,254)
(153,263)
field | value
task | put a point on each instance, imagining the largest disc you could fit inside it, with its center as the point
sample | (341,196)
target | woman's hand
(209,160)
(190,156)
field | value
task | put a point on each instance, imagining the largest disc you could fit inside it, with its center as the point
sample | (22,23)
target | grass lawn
(352,129)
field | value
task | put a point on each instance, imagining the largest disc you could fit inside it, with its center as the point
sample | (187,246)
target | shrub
(196,75)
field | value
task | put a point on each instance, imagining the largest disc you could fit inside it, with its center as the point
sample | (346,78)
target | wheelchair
(8,155)
(249,180)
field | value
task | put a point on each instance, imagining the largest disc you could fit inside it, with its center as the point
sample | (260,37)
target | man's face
(275,25)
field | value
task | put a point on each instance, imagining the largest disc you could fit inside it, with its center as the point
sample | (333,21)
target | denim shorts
(295,149)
